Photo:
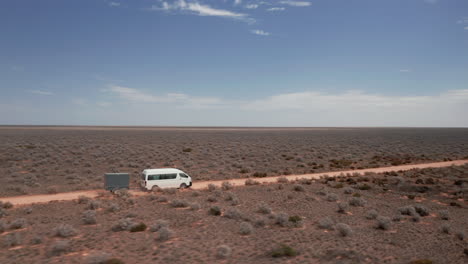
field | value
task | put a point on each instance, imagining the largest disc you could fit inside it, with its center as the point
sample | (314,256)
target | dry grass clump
(93,204)
(123,224)
(64,230)
(18,223)
(444,214)
(226,186)
(195,206)
(298,188)
(177,203)
(245,228)
(12,240)
(59,247)
(251,182)
(138,227)
(223,252)
(160,223)
(331,197)
(102,258)
(282,180)
(164,234)
(214,210)
(342,207)
(372,214)
(232,213)
(326,223)
(89,217)
(357,201)
(113,207)
(445,228)
(344,229)
(383,222)
(264,209)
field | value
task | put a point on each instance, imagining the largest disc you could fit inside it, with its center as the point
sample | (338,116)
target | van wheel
(183,186)
(154,188)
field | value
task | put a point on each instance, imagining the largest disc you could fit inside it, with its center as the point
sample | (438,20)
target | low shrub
(357,201)
(223,252)
(295,220)
(232,213)
(123,224)
(372,214)
(421,261)
(12,240)
(344,229)
(444,215)
(164,234)
(212,199)
(93,204)
(298,188)
(113,207)
(445,228)
(64,230)
(162,199)
(283,251)
(36,240)
(160,223)
(342,207)
(460,235)
(226,186)
(89,217)
(421,210)
(138,228)
(18,223)
(331,197)
(348,190)
(259,174)
(326,223)
(3,226)
(245,228)
(211,187)
(282,219)
(59,247)
(282,180)
(214,210)
(264,209)
(179,203)
(251,182)
(383,223)
(195,206)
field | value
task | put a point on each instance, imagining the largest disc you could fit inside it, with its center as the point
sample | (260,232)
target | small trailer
(116,181)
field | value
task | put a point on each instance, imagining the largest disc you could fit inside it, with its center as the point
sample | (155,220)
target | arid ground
(58,159)
(415,216)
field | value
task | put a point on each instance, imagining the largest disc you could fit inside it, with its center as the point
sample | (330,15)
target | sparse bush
(348,190)
(6,205)
(251,182)
(64,230)
(298,188)
(89,217)
(138,228)
(226,186)
(331,197)
(357,201)
(344,229)
(123,224)
(232,213)
(102,258)
(397,217)
(83,199)
(283,251)
(28,210)
(164,234)
(460,235)
(169,191)
(18,223)
(214,210)
(342,207)
(179,203)
(282,180)
(113,207)
(245,228)
(162,199)
(282,219)
(383,223)
(3,212)
(444,215)
(195,193)
(36,240)
(260,221)
(187,150)
(12,240)
(260,174)
(264,209)
(407,210)
(364,187)
(295,220)
(326,223)
(195,206)
(93,204)
(305,181)
(223,252)
(160,223)
(211,187)
(421,261)
(445,228)
(59,247)
(212,199)
(421,210)
(372,214)
(416,218)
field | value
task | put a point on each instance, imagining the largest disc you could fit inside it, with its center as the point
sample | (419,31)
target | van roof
(163,170)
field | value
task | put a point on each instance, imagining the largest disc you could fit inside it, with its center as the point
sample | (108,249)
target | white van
(165,178)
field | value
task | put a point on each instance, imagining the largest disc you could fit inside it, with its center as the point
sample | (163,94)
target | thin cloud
(184,100)
(41,92)
(114,4)
(465,28)
(237,2)
(196,8)
(295,3)
(252,6)
(431,1)
(405,70)
(275,9)
(260,32)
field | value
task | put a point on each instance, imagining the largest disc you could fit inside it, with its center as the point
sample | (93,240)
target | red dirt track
(44,198)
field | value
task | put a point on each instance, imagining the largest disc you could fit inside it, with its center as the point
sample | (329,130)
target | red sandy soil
(30,199)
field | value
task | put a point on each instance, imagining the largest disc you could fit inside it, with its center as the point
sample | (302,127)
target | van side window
(183,175)
(153,177)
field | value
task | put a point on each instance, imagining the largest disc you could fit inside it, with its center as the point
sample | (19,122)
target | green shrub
(283,251)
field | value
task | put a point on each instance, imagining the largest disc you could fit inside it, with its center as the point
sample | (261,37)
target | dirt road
(44,198)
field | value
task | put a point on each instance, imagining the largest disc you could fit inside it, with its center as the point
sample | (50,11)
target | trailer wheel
(183,186)
(154,188)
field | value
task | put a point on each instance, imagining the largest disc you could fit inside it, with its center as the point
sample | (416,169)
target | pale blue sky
(240,63)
